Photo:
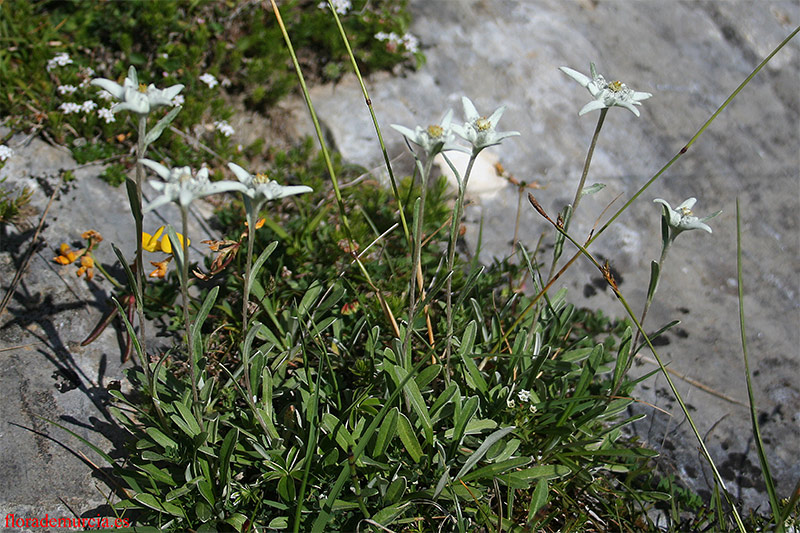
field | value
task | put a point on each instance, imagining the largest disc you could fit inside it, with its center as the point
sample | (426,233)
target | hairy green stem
(581,183)
(455,224)
(141,279)
(251,228)
(417,257)
(186,317)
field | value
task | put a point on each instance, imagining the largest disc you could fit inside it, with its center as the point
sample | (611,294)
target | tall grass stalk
(329,164)
(774,502)
(368,101)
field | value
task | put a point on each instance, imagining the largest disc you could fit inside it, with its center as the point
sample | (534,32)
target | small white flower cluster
(341,6)
(66,89)
(209,80)
(5,152)
(178,100)
(524,397)
(105,95)
(59,60)
(224,128)
(409,41)
(106,114)
(71,107)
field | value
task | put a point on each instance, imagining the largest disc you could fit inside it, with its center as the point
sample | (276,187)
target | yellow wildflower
(66,255)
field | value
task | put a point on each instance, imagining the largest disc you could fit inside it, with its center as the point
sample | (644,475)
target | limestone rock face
(691,56)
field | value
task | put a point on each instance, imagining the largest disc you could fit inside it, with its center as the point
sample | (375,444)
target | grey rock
(44,371)
(691,56)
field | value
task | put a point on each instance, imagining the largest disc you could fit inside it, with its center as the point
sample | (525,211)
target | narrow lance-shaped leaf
(153,135)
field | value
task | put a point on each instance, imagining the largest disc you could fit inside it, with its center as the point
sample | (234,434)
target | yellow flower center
(435,131)
(260,178)
(142,88)
(615,86)
(483,124)
(685,211)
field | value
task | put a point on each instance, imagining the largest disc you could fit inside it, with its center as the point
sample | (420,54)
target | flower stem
(186,317)
(588,161)
(582,181)
(416,260)
(251,228)
(451,254)
(139,270)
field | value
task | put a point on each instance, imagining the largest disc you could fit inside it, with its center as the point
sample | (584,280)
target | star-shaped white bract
(479,130)
(137,98)
(435,138)
(606,94)
(258,188)
(682,219)
(182,187)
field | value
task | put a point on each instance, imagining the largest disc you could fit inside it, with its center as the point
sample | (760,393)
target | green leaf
(263,256)
(281,522)
(311,295)
(148,500)
(385,433)
(427,375)
(478,454)
(655,270)
(474,378)
(464,416)
(132,281)
(414,397)
(153,135)
(522,479)
(409,439)
(160,438)
(157,474)
(388,515)
(442,400)
(396,490)
(133,199)
(200,318)
(539,499)
(225,453)
(492,470)
(177,251)
(191,423)
(333,426)
(592,189)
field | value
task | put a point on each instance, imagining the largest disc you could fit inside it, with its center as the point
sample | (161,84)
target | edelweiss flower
(606,94)
(433,139)
(136,97)
(181,187)
(259,189)
(479,130)
(682,219)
